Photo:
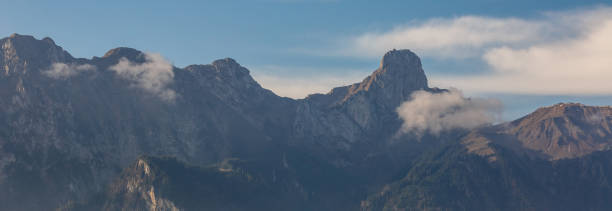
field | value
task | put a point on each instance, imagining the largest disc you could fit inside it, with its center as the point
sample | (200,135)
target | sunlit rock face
(566,130)
(137,189)
(561,131)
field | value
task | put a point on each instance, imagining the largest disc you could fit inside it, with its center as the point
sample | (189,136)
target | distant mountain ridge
(80,134)
(570,130)
(564,130)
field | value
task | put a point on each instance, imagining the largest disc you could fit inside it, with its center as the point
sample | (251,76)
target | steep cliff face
(363,111)
(136,189)
(164,183)
(21,53)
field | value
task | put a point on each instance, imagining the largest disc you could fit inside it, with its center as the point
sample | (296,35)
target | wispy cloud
(153,76)
(456,37)
(437,112)
(572,66)
(63,71)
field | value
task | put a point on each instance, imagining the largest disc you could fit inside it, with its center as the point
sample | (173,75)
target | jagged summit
(124,52)
(403,65)
(15,35)
(27,43)
(30,38)
(229,64)
(226,61)
(226,66)
(400,73)
(399,57)
(369,106)
(20,53)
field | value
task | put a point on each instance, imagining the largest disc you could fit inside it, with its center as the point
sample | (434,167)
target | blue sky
(296,47)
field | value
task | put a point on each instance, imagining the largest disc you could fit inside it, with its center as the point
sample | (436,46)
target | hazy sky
(526,53)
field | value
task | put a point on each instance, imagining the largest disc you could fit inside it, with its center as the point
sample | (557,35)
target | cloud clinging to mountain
(437,112)
(63,71)
(153,76)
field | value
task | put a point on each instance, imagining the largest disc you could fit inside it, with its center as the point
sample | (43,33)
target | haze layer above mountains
(130,131)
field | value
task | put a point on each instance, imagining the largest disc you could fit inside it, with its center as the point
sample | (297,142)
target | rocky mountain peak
(20,36)
(229,66)
(565,130)
(124,52)
(400,73)
(402,66)
(560,131)
(225,62)
(366,109)
(26,46)
(399,57)
(22,52)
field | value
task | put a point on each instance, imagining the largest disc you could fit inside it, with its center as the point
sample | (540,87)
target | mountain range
(130,131)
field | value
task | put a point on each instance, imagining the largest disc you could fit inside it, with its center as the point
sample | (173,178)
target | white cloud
(470,36)
(436,112)
(153,76)
(577,66)
(455,37)
(557,53)
(63,71)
